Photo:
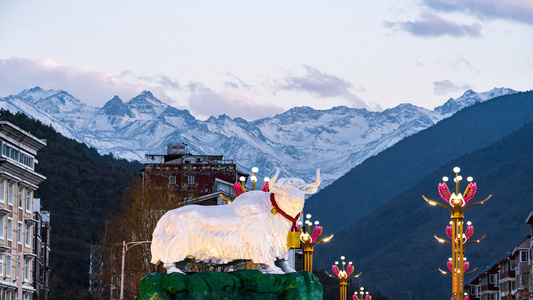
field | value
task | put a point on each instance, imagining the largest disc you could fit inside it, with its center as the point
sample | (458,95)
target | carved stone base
(243,284)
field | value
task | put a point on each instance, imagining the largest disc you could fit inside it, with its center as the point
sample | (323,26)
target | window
(19,233)
(21,198)
(172,180)
(191,179)
(513,265)
(10,194)
(2,227)
(26,270)
(513,285)
(16,155)
(28,235)
(9,229)
(1,265)
(2,191)
(8,265)
(493,278)
(29,201)
(524,256)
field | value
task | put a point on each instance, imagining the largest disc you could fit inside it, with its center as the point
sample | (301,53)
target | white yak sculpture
(253,227)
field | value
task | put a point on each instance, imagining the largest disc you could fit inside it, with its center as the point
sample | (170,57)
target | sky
(255,59)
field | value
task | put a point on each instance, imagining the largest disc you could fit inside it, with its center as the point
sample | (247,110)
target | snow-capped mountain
(298,141)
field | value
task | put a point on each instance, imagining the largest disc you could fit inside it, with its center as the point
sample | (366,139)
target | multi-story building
(198,179)
(507,274)
(489,283)
(520,255)
(41,243)
(508,278)
(473,288)
(18,182)
(529,221)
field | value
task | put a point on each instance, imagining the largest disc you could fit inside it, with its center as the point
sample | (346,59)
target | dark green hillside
(384,176)
(81,188)
(394,245)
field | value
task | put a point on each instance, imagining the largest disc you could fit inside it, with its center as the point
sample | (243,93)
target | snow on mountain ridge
(298,141)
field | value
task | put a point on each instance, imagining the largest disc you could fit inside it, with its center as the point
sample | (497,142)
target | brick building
(196,179)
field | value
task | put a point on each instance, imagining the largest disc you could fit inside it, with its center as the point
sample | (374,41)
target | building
(529,221)
(195,179)
(18,182)
(507,281)
(509,277)
(520,255)
(473,289)
(41,242)
(489,283)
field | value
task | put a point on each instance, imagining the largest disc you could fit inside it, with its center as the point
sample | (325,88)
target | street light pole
(126,247)
(309,241)
(343,276)
(456,204)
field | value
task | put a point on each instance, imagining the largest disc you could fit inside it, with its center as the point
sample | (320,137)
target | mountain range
(298,141)
(386,227)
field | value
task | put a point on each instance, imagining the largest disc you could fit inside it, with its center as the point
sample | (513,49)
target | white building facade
(18,182)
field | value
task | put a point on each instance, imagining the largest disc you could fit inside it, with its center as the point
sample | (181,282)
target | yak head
(290,192)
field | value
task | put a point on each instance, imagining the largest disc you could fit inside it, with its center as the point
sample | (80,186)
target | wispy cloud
(206,102)
(445,86)
(164,81)
(320,84)
(432,25)
(236,83)
(517,10)
(92,87)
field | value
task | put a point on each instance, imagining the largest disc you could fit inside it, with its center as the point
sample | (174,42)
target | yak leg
(271,268)
(171,268)
(178,267)
(284,265)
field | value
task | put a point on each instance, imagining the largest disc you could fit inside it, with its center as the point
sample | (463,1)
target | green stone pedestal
(243,284)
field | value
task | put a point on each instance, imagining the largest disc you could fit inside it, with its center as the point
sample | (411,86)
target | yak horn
(313,187)
(273,179)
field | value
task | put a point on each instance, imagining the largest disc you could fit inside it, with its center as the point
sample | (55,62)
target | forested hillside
(81,188)
(384,176)
(395,247)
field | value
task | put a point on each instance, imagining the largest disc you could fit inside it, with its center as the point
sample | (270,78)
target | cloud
(517,10)
(236,83)
(164,81)
(445,86)
(206,102)
(432,25)
(92,87)
(322,85)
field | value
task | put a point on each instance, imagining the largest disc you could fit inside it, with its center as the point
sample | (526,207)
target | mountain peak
(116,107)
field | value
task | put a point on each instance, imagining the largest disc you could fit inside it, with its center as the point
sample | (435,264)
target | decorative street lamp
(309,240)
(457,205)
(343,276)
(254,177)
(126,247)
(363,295)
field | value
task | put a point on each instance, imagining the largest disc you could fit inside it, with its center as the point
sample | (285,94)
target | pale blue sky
(254,59)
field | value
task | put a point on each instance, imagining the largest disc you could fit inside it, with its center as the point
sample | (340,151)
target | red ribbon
(284,214)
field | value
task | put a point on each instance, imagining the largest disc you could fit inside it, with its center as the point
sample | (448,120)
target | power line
(78,218)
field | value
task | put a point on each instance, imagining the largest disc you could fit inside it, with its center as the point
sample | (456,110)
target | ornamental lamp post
(309,240)
(343,276)
(254,177)
(363,295)
(456,203)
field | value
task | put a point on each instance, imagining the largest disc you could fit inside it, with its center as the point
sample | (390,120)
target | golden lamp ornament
(310,238)
(343,275)
(457,203)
